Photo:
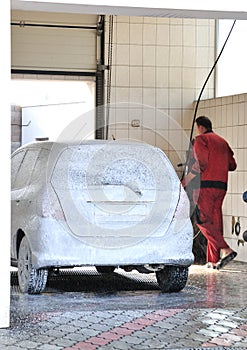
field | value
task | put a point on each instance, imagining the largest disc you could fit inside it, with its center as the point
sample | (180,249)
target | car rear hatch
(115,193)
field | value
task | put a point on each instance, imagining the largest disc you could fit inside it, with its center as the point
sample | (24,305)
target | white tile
(149,118)
(122,54)
(162,35)
(135,134)
(245,113)
(175,139)
(188,76)
(122,95)
(122,116)
(241,137)
(162,77)
(122,33)
(176,56)
(149,55)
(149,96)
(223,116)
(135,55)
(189,35)
(149,136)
(202,36)
(122,76)
(149,34)
(136,95)
(135,79)
(202,57)
(175,77)
(175,98)
(162,56)
(189,56)
(188,98)
(162,98)
(235,136)
(241,114)
(227,205)
(187,118)
(162,121)
(136,34)
(175,120)
(176,35)
(162,140)
(201,75)
(235,109)
(149,75)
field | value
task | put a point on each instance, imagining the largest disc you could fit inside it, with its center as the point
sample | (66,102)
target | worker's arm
(186,180)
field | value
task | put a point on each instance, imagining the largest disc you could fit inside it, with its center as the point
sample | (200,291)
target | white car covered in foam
(108,204)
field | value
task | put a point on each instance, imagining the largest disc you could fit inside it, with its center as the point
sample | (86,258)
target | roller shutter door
(53,42)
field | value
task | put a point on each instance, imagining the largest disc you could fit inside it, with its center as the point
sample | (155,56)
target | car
(108,204)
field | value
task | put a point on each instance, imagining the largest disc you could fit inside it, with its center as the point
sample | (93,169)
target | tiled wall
(229,117)
(158,68)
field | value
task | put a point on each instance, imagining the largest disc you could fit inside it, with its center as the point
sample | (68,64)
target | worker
(213,159)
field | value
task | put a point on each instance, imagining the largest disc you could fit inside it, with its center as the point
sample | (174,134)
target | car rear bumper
(58,248)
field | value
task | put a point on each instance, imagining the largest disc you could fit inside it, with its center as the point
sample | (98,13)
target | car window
(26,168)
(15,165)
(39,172)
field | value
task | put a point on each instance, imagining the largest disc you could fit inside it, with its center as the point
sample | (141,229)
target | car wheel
(105,269)
(31,280)
(172,278)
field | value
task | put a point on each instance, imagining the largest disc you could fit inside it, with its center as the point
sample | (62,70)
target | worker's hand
(186,180)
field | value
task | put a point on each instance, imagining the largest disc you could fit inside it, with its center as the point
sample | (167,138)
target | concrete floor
(82,309)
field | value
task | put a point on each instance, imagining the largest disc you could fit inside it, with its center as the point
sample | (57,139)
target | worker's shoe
(225,260)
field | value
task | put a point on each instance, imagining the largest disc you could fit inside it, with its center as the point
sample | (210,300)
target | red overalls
(214,158)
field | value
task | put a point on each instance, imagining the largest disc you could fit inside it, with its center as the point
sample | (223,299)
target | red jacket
(214,158)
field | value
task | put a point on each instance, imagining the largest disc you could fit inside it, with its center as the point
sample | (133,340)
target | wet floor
(82,309)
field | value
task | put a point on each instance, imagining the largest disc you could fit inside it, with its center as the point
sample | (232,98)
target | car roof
(48,145)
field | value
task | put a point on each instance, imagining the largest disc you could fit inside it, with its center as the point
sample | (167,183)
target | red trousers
(210,221)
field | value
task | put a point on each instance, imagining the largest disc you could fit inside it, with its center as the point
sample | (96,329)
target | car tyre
(105,269)
(172,278)
(31,280)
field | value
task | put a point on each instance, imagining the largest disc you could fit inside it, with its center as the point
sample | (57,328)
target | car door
(22,165)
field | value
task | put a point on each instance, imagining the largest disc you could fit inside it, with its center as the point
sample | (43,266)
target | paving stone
(50,347)
(132,339)
(28,344)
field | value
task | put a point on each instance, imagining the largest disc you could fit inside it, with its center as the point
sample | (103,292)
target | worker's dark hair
(204,121)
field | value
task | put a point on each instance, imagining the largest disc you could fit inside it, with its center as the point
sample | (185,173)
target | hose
(199,98)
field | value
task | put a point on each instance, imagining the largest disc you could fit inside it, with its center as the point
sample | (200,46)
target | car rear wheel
(31,280)
(172,278)
(105,269)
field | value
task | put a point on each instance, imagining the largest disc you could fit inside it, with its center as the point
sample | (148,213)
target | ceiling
(126,9)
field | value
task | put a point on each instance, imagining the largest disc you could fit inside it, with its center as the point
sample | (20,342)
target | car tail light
(51,206)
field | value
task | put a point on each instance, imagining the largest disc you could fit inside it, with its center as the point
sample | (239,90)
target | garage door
(44,41)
